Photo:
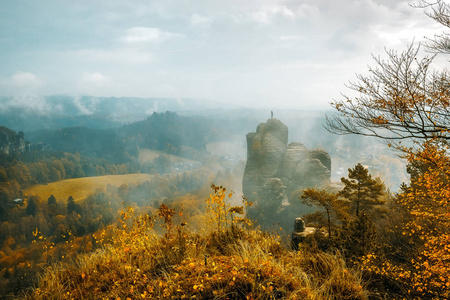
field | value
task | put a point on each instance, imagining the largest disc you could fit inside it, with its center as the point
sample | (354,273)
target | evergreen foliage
(361,189)
(31,207)
(333,207)
(71,205)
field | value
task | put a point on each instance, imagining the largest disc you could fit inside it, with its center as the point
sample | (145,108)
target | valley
(225,150)
(79,183)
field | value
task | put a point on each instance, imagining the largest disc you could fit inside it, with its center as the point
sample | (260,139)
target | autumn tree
(405,99)
(361,189)
(401,99)
(439,12)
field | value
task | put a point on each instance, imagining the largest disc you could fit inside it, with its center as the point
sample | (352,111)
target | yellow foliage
(427,199)
(229,263)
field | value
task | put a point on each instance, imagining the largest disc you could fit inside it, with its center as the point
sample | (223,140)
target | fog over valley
(258,149)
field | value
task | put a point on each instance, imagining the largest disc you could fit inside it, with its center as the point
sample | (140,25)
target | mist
(71,165)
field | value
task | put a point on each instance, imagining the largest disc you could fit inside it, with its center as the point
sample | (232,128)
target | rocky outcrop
(265,153)
(295,153)
(300,233)
(275,169)
(10,142)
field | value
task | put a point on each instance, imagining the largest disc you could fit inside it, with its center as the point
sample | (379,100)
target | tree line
(20,171)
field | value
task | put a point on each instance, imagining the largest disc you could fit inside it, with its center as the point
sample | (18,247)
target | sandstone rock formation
(274,169)
(10,142)
(265,153)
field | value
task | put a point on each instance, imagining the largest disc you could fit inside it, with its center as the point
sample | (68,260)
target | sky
(252,53)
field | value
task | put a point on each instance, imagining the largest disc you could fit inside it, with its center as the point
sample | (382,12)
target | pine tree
(31,207)
(52,206)
(51,200)
(361,189)
(359,237)
(331,206)
(71,205)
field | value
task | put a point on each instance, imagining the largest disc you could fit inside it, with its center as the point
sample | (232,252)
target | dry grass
(223,262)
(232,265)
(79,188)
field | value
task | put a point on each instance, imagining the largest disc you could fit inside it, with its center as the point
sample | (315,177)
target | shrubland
(159,256)
(46,229)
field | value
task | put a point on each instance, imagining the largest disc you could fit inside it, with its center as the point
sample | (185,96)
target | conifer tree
(31,207)
(51,200)
(361,189)
(332,207)
(71,205)
(359,237)
(52,207)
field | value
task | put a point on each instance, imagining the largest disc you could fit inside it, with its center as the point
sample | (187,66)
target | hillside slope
(228,264)
(159,256)
(80,188)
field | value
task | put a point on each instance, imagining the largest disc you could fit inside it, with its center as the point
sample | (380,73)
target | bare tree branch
(400,99)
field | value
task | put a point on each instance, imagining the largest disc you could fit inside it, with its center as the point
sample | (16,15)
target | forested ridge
(39,229)
(168,132)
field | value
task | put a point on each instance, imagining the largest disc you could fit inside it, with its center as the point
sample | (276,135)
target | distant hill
(168,132)
(60,111)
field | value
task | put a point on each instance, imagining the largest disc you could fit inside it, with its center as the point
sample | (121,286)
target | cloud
(198,20)
(146,35)
(83,109)
(28,104)
(120,55)
(202,48)
(26,79)
(21,83)
(396,36)
(305,10)
(94,83)
(266,14)
(304,65)
(291,38)
(95,78)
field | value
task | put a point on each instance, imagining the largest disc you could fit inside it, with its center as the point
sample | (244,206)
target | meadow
(80,188)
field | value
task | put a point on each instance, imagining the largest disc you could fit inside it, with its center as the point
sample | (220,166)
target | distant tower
(271,114)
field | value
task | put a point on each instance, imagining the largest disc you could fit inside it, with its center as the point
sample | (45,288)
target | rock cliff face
(10,142)
(265,153)
(274,169)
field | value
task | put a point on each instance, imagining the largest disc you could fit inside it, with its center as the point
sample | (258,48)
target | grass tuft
(232,265)
(224,262)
